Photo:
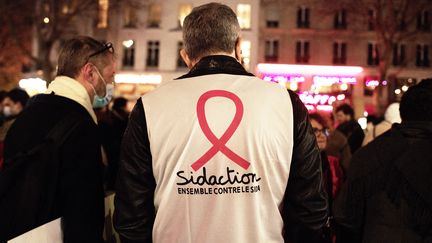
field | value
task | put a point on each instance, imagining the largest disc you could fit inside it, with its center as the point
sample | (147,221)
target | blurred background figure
(112,124)
(387,196)
(391,116)
(333,174)
(349,126)
(2,96)
(12,103)
(337,146)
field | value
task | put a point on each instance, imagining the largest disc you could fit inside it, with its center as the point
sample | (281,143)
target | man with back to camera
(349,126)
(387,196)
(86,69)
(219,155)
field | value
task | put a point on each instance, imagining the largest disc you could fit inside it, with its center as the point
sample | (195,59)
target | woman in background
(333,174)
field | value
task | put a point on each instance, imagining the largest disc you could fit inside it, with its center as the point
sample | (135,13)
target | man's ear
(185,58)
(87,72)
(238,52)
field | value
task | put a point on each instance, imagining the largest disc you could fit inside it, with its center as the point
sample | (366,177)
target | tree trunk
(44,54)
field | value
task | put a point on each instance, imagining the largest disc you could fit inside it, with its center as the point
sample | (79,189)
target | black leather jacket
(304,208)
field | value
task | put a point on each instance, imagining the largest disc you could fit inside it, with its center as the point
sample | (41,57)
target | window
(102,14)
(400,18)
(272,17)
(423,21)
(244,15)
(271,50)
(371,19)
(246,51)
(402,25)
(303,17)
(302,52)
(128,59)
(130,18)
(184,10)
(152,53)
(373,55)
(422,56)
(180,62)
(340,20)
(398,54)
(272,24)
(154,15)
(339,53)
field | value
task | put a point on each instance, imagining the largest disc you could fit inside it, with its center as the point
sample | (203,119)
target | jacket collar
(215,65)
(419,129)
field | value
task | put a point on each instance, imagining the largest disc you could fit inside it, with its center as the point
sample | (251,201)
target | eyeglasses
(106,47)
(317,131)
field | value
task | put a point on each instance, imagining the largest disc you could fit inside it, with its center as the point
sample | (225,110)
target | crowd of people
(216,155)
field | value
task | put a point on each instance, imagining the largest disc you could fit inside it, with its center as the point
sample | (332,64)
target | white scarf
(72,89)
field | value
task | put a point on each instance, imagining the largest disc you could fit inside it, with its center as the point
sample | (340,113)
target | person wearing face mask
(12,104)
(84,81)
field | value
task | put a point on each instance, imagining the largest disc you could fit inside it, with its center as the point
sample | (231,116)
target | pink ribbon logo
(219,143)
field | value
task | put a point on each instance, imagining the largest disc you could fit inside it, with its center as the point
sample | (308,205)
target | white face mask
(7,111)
(99,102)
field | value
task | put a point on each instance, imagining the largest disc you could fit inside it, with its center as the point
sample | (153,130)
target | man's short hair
(18,95)
(76,52)
(346,109)
(210,28)
(416,103)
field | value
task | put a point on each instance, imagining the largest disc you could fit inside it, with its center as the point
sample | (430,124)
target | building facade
(148,40)
(326,54)
(333,56)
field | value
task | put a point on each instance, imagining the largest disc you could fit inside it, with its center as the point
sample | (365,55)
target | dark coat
(388,197)
(80,198)
(354,133)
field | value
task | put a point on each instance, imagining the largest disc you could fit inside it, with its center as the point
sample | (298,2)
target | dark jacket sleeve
(305,209)
(81,186)
(134,208)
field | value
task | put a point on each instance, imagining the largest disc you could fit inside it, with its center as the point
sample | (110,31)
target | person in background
(2,96)
(388,195)
(219,155)
(349,126)
(13,102)
(112,125)
(391,116)
(337,144)
(333,174)
(85,74)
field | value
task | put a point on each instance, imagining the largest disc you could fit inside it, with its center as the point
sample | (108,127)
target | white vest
(221,163)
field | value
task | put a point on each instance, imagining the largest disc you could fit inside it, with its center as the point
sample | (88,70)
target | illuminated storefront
(318,86)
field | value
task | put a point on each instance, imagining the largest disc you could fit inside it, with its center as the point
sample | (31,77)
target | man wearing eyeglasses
(84,81)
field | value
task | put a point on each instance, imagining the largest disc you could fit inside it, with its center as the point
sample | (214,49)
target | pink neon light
(328,81)
(310,107)
(321,102)
(372,83)
(340,97)
(283,78)
(319,107)
(324,107)
(317,99)
(324,70)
